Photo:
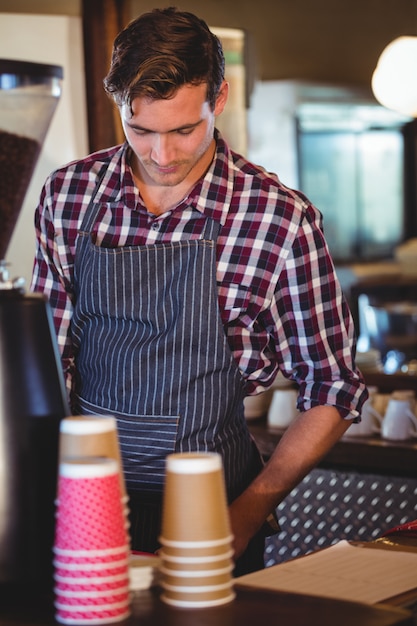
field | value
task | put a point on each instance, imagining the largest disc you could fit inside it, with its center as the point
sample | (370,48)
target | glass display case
(352,166)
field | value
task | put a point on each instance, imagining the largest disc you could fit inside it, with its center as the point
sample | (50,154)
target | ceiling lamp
(394,81)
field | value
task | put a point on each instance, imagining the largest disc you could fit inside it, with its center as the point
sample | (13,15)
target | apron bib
(151,350)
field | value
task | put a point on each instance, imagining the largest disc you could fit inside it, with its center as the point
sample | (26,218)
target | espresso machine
(32,390)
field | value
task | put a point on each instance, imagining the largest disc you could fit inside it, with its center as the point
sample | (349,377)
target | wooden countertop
(250,607)
(362,454)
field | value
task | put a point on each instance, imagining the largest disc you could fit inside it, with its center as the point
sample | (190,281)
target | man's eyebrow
(134,126)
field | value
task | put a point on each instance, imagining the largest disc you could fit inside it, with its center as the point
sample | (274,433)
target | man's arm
(309,437)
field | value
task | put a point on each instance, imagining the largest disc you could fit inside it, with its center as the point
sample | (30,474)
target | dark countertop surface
(367,454)
(250,607)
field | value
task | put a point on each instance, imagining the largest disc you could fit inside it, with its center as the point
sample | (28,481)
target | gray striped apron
(151,350)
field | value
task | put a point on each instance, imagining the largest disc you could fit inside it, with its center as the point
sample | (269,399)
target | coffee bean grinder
(32,391)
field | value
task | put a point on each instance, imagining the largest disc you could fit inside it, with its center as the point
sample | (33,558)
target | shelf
(387,383)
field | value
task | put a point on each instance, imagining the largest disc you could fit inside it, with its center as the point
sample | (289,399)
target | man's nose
(162,149)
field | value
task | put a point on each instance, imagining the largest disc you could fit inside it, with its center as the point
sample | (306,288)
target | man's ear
(221,98)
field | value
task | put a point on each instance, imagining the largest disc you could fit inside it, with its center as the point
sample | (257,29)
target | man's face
(172,139)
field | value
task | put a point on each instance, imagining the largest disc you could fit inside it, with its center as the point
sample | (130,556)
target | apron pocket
(145,441)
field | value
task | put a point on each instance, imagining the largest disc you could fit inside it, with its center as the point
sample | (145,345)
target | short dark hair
(159,52)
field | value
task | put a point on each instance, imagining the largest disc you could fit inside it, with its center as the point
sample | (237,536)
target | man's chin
(169,177)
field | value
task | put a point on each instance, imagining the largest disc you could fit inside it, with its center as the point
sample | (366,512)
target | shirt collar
(212,195)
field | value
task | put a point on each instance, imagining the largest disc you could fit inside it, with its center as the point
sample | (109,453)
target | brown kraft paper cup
(90,436)
(194,505)
(198,598)
(173,579)
(190,550)
(196,564)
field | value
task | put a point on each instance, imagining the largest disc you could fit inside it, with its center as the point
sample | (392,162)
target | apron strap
(91,211)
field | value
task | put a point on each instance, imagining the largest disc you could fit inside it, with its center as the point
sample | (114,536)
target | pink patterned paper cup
(81,595)
(82,615)
(90,585)
(109,606)
(95,579)
(91,601)
(109,553)
(90,514)
(85,572)
(115,559)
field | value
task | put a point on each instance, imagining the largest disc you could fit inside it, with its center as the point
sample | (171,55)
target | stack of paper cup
(196,554)
(91,548)
(90,435)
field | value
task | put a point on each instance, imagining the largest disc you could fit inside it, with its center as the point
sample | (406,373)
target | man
(182,278)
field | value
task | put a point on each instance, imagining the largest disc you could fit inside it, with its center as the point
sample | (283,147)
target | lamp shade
(394,81)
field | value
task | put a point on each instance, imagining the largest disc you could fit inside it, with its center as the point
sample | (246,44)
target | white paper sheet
(342,571)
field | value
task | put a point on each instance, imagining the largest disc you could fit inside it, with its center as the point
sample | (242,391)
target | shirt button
(155,226)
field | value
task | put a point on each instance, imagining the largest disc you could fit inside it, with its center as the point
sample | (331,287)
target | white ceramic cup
(369,425)
(283,408)
(399,421)
(371,418)
(405,394)
(257,406)
(380,402)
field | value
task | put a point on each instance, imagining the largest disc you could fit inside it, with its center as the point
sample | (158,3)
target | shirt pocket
(234,300)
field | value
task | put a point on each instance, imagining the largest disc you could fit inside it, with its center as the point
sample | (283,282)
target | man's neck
(159,200)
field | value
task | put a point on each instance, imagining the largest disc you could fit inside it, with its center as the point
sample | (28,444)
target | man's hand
(309,437)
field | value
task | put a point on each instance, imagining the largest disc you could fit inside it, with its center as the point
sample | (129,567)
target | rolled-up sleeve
(314,335)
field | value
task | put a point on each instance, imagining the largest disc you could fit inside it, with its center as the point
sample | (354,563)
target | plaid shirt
(280,301)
